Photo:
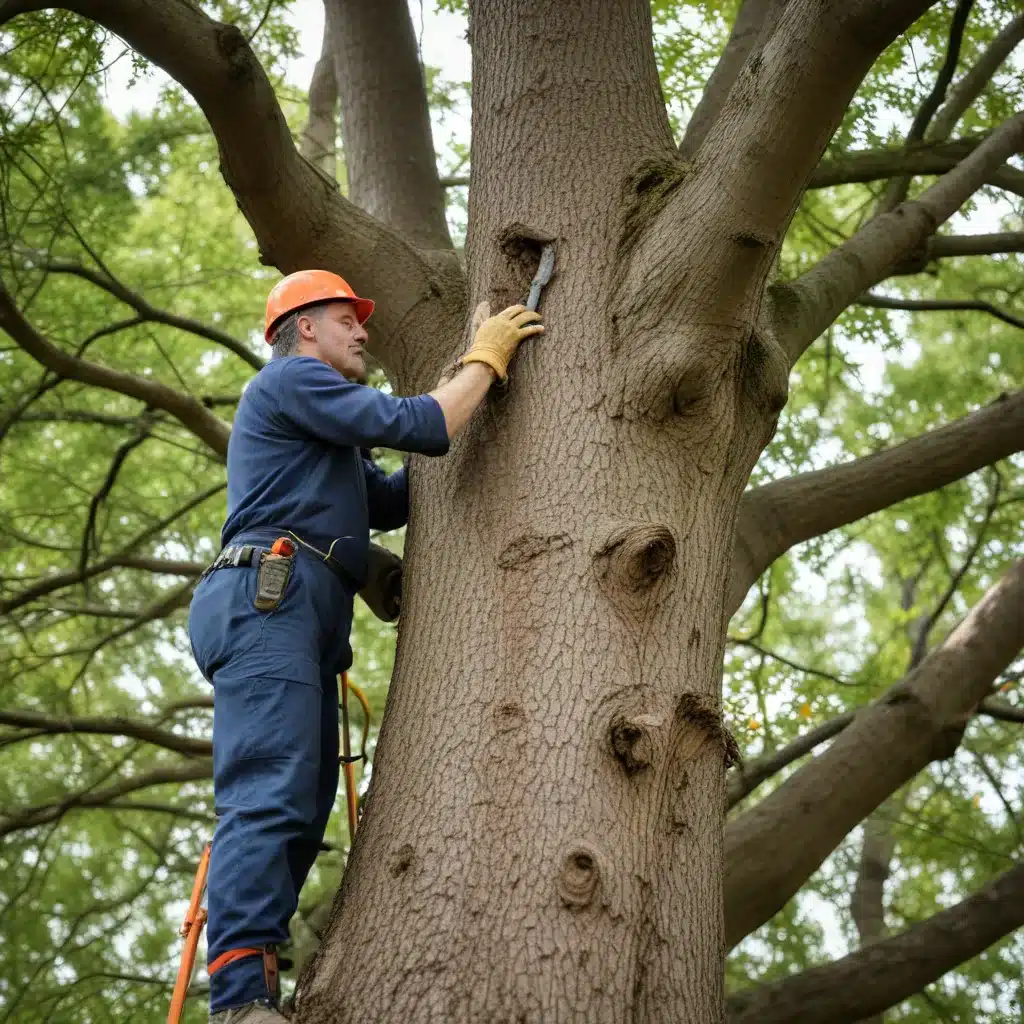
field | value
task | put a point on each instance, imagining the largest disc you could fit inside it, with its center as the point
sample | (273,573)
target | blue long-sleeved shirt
(297,457)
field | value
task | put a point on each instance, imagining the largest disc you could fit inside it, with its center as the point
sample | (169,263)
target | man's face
(338,337)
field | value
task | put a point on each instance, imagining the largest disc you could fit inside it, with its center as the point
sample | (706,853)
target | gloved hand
(383,589)
(498,337)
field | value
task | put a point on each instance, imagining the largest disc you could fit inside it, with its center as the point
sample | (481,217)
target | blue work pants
(275,752)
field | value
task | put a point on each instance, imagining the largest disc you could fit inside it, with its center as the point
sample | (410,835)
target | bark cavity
(232,44)
(403,859)
(521,246)
(699,721)
(509,717)
(578,877)
(636,557)
(632,741)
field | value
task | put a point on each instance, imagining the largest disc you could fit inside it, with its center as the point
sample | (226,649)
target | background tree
(841,213)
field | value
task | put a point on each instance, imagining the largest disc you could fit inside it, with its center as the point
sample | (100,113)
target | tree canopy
(123,249)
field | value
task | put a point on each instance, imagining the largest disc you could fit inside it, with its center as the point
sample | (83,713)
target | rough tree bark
(543,835)
(587,885)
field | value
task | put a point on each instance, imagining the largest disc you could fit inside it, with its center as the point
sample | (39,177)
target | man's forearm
(459,396)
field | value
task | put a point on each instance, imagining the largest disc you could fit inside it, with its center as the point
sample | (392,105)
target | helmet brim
(363,307)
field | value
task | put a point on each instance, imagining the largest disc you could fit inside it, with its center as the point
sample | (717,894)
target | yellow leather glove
(498,337)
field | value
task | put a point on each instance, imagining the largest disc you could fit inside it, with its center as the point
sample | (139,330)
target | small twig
(939,305)
(791,664)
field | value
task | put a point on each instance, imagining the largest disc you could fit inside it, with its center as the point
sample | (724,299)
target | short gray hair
(286,334)
(286,337)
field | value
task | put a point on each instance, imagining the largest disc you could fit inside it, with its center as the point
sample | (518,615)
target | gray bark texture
(543,838)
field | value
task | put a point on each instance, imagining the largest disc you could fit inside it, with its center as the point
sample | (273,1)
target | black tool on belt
(271,563)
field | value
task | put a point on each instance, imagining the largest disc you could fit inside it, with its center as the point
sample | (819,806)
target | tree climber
(270,619)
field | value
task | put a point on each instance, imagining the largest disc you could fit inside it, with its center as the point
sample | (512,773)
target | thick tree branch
(187,410)
(319,140)
(771,850)
(803,78)
(896,190)
(777,516)
(753,26)
(861,166)
(975,245)
(944,246)
(42,815)
(970,87)
(1002,711)
(147,312)
(939,305)
(389,151)
(889,971)
(46,725)
(805,307)
(867,902)
(748,776)
(299,218)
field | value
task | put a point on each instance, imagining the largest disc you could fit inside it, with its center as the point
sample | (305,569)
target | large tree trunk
(568,565)
(543,836)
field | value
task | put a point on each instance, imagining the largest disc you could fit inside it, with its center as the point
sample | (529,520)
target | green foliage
(91,901)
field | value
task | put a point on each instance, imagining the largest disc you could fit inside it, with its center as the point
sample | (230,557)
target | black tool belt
(240,556)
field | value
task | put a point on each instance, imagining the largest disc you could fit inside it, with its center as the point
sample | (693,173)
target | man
(270,620)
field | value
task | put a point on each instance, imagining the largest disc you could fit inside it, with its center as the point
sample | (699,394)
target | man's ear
(304,325)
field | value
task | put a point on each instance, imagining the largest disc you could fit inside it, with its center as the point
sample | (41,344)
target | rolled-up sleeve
(319,401)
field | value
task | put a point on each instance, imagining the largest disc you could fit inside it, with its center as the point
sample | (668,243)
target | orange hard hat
(307,288)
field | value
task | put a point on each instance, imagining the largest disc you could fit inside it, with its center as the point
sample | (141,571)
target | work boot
(252,1013)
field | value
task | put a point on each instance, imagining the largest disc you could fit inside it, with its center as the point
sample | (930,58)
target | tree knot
(765,372)
(578,877)
(632,740)
(635,557)
(404,858)
(231,43)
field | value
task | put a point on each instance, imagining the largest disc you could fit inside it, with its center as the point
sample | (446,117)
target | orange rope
(348,767)
(191,929)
